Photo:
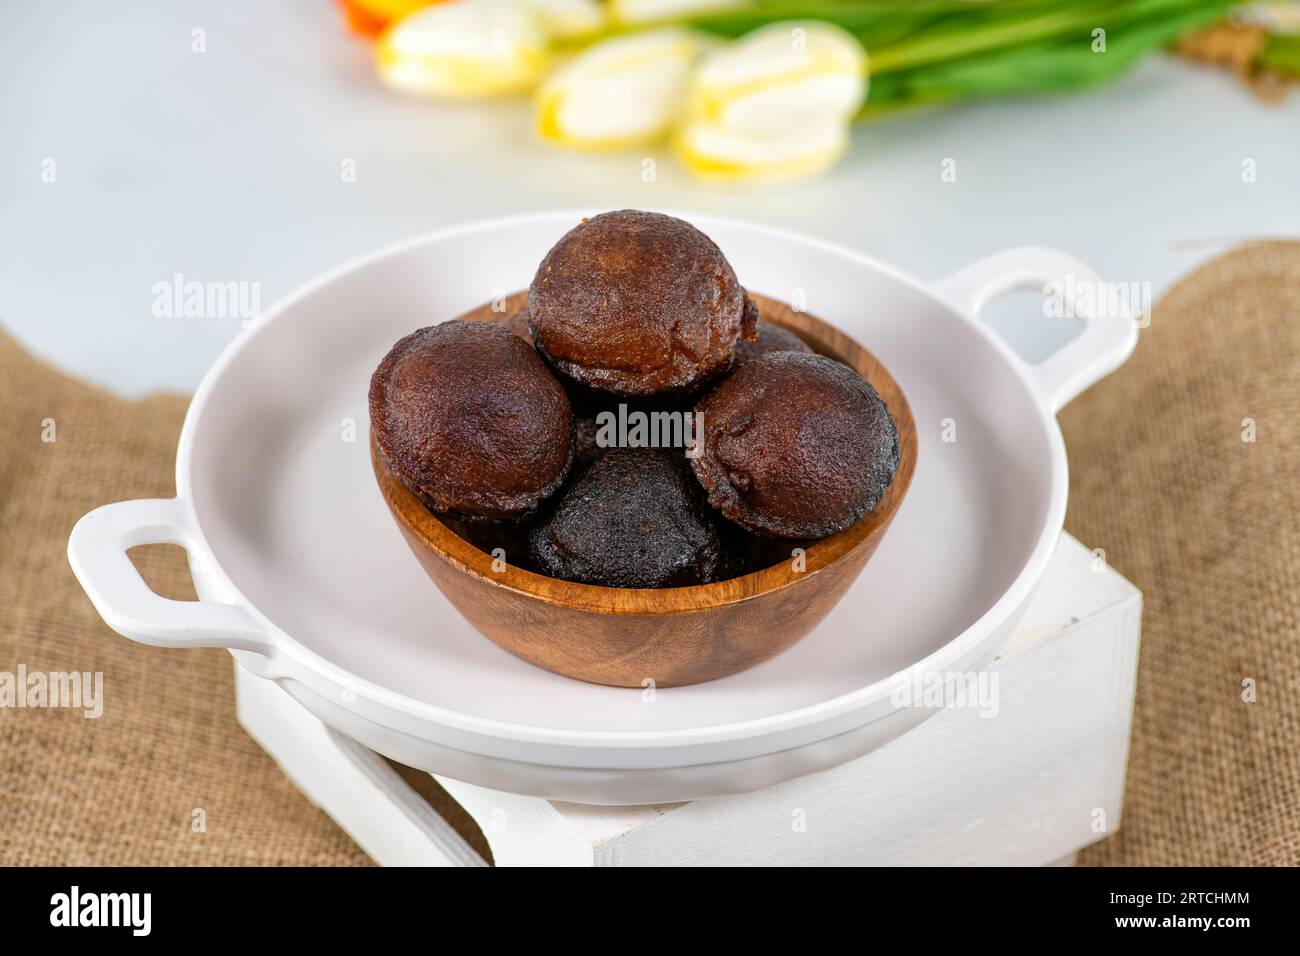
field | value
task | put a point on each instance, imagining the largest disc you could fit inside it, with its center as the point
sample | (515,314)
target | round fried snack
(472,421)
(504,540)
(586,449)
(795,446)
(636,304)
(633,519)
(771,338)
(747,552)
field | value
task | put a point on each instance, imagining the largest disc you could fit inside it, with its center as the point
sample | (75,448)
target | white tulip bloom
(774,104)
(624,90)
(568,18)
(715,152)
(464,48)
(782,78)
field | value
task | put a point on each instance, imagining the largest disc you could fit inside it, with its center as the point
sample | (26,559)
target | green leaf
(1065,63)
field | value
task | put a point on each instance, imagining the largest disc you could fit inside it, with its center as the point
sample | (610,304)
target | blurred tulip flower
(465,49)
(713,152)
(563,19)
(775,103)
(369,18)
(621,91)
(781,78)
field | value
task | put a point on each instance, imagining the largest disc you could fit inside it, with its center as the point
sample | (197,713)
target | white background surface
(226,165)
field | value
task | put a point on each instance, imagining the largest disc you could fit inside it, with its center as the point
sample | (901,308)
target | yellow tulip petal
(465,48)
(782,78)
(568,18)
(621,91)
(717,153)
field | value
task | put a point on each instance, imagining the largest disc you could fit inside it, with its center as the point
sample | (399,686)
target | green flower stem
(1062,65)
(957,39)
(932,52)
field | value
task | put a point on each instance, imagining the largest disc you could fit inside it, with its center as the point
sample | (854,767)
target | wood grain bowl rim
(436,537)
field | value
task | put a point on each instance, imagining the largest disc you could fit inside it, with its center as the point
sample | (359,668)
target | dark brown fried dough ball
(635,304)
(518,324)
(472,421)
(504,540)
(633,519)
(771,338)
(795,446)
(585,431)
(748,552)
(588,409)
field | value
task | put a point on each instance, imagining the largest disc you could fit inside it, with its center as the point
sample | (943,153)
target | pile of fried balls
(493,425)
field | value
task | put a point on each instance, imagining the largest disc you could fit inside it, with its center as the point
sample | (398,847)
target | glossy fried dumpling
(795,446)
(469,417)
(634,519)
(637,304)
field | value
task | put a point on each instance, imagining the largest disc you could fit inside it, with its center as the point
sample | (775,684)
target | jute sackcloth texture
(1185,470)
(166,775)
(1206,524)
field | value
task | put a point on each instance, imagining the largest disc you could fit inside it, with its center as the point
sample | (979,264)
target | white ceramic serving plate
(302,573)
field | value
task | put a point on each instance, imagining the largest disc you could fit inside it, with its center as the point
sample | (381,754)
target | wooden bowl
(629,637)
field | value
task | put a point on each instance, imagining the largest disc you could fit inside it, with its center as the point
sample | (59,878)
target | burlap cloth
(1208,526)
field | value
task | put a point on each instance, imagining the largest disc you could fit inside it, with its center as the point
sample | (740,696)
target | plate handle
(97,552)
(1105,342)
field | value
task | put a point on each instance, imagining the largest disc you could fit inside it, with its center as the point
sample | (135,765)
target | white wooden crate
(1031,786)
